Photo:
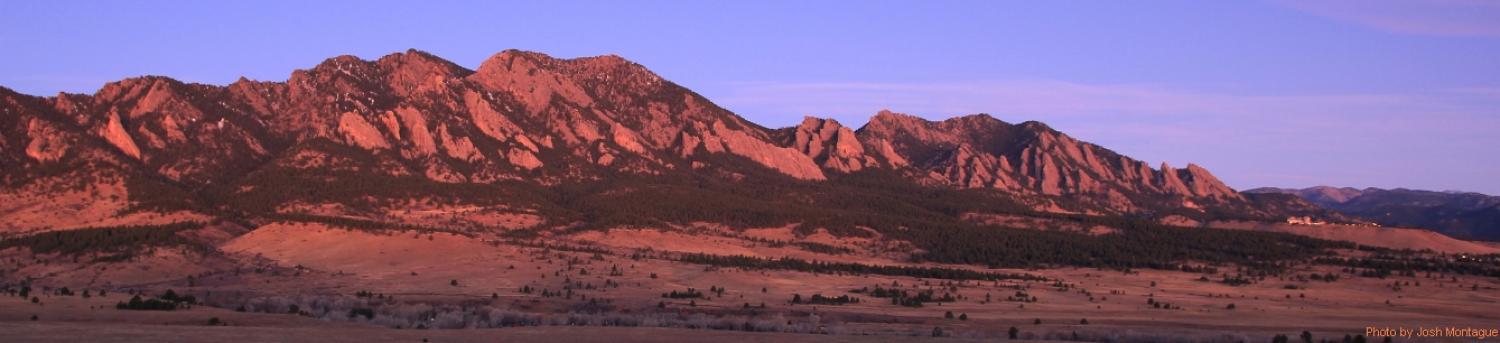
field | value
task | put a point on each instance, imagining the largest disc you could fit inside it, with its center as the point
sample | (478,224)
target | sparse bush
(151,304)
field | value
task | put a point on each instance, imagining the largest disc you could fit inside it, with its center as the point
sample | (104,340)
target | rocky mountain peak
(980,151)
(421,60)
(1033,125)
(1204,184)
(512,60)
(886,123)
(346,66)
(831,145)
(977,120)
(416,70)
(505,58)
(531,117)
(530,77)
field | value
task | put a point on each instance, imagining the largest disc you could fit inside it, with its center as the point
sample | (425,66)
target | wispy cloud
(1430,17)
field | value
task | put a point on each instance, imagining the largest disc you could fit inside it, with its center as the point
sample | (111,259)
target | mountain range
(1463,215)
(529,141)
(590,197)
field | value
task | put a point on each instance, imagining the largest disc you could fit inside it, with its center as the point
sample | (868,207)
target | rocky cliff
(525,118)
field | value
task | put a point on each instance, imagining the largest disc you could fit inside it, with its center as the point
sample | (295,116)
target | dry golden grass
(420,267)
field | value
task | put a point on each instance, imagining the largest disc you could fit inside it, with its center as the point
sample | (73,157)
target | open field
(1389,237)
(452,287)
(65,321)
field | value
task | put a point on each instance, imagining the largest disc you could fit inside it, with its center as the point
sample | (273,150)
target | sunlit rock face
(529,117)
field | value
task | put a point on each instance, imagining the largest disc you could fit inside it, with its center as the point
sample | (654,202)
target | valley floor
(108,332)
(445,280)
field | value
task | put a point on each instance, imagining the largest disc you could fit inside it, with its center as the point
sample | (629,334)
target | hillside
(591,199)
(1462,215)
(528,141)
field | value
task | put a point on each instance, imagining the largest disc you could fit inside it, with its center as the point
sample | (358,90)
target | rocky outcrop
(972,169)
(1170,182)
(789,161)
(1203,184)
(458,147)
(114,132)
(415,73)
(523,158)
(523,75)
(831,145)
(419,135)
(360,132)
(483,115)
(47,144)
(528,116)
(979,151)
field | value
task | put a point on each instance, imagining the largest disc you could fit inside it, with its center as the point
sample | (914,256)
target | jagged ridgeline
(527,143)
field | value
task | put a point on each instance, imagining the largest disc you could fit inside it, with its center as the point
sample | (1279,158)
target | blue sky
(1263,93)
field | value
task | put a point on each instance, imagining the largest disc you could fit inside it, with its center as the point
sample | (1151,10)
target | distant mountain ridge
(528,135)
(1464,215)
